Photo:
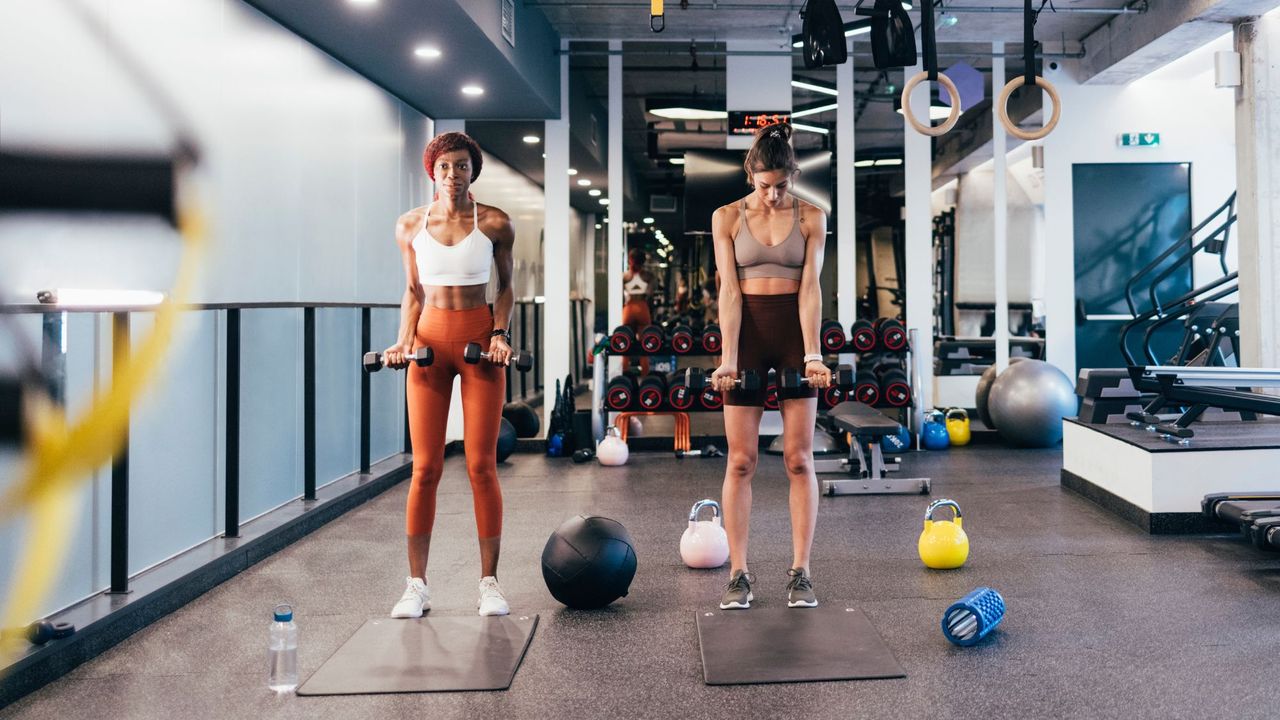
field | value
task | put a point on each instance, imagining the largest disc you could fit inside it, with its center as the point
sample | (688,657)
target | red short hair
(450,142)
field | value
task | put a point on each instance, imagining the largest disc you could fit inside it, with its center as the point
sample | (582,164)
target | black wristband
(506,335)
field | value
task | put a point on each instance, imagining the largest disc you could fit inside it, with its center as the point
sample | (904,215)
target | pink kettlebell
(704,543)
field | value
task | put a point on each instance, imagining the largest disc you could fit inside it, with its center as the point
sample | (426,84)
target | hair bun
(776,131)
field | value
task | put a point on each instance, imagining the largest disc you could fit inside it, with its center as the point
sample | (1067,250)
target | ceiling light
(803,85)
(686,109)
(427,52)
(363,2)
(472,90)
(593,192)
(584,182)
(936,112)
(948,20)
(813,110)
(647,221)
(864,163)
(847,33)
(906,4)
(598,226)
(810,128)
(677,161)
(532,139)
(888,161)
(604,201)
(573,171)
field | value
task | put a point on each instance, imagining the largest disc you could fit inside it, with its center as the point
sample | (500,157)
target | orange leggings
(430,388)
(635,314)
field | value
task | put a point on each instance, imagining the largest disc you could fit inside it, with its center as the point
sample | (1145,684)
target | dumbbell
(40,631)
(833,395)
(862,335)
(622,339)
(894,387)
(621,393)
(697,379)
(866,388)
(651,339)
(679,395)
(522,359)
(891,333)
(651,391)
(792,379)
(681,338)
(833,339)
(421,357)
(711,339)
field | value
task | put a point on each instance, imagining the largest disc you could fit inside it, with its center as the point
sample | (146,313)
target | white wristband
(812,357)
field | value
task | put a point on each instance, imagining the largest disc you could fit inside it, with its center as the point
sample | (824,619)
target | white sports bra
(466,263)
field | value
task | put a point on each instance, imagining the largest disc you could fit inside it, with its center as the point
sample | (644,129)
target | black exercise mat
(746,647)
(432,654)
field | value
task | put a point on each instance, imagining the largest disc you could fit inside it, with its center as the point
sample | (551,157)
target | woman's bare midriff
(454,297)
(768,286)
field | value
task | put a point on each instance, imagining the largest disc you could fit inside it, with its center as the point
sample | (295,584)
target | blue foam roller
(973,617)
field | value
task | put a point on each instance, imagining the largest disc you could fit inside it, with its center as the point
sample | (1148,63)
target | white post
(918,170)
(846,238)
(555,248)
(1000,163)
(1257,132)
(617,250)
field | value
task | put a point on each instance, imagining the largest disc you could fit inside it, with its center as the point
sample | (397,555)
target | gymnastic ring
(931,130)
(1003,112)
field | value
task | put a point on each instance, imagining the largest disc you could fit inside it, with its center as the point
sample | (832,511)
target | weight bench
(866,426)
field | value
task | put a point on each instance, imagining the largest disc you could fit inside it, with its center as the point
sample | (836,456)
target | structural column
(615,228)
(1258,183)
(999,149)
(918,169)
(846,231)
(555,248)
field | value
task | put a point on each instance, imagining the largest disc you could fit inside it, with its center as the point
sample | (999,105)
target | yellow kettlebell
(943,543)
(958,426)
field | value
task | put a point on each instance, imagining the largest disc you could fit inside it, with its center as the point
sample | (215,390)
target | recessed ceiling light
(584,182)
(685,113)
(532,139)
(888,161)
(363,2)
(864,163)
(593,192)
(677,161)
(598,226)
(604,201)
(473,90)
(573,171)
(648,221)
(427,52)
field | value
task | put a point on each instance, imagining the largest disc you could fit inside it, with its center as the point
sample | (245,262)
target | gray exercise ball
(984,389)
(1028,401)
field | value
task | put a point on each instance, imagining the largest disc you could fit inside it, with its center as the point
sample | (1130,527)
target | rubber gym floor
(1103,620)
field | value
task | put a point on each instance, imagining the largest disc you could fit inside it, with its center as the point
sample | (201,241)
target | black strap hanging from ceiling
(1028,44)
(893,39)
(822,36)
(928,45)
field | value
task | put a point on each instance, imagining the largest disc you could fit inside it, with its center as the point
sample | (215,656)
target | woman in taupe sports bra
(769,248)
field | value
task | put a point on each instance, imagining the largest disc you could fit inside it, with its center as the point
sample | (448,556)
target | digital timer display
(746,123)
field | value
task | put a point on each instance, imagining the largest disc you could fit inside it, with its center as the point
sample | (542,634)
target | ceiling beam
(1131,46)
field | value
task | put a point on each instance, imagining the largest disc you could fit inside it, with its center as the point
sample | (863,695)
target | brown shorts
(769,338)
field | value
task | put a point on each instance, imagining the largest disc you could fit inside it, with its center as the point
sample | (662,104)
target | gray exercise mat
(431,654)
(745,647)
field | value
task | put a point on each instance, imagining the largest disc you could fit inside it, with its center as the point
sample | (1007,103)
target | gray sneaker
(800,589)
(737,594)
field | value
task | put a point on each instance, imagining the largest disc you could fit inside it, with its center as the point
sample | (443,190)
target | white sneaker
(415,601)
(491,600)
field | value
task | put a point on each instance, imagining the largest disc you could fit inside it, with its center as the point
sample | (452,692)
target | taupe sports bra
(755,259)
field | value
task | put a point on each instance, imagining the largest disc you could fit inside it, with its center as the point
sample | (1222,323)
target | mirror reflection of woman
(638,285)
(769,246)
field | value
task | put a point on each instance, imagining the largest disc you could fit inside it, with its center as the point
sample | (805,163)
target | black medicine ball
(589,562)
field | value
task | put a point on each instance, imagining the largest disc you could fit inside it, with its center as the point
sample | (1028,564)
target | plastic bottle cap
(284,613)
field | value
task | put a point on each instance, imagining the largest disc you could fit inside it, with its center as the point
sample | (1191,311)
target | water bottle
(282,654)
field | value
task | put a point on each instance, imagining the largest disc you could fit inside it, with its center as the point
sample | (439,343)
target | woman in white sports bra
(769,250)
(449,248)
